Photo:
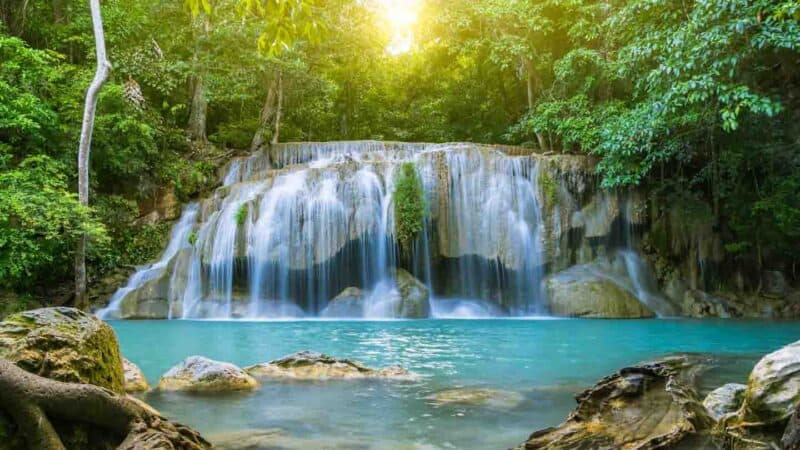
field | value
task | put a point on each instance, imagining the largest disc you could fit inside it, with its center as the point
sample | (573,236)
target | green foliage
(40,222)
(192,239)
(409,205)
(241,214)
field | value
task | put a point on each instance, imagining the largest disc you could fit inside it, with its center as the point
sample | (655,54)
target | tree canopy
(698,100)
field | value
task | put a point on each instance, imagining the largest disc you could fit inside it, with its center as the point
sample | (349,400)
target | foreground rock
(200,374)
(78,404)
(134,377)
(773,389)
(349,303)
(650,406)
(318,366)
(63,344)
(724,400)
(580,293)
(477,397)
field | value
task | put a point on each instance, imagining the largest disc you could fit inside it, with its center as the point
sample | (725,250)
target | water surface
(544,361)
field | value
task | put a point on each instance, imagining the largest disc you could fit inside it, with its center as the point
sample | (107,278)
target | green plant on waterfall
(409,205)
(241,214)
(192,238)
(547,185)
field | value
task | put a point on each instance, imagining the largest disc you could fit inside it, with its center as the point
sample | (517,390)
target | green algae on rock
(63,344)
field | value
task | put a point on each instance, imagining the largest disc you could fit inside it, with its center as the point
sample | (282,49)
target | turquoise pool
(543,362)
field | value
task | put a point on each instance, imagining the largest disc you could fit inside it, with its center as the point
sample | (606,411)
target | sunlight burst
(401,15)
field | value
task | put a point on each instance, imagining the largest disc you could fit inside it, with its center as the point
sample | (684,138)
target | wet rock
(649,406)
(278,439)
(697,303)
(494,398)
(134,377)
(414,296)
(579,293)
(200,374)
(724,400)
(773,389)
(63,344)
(308,365)
(791,436)
(349,303)
(774,284)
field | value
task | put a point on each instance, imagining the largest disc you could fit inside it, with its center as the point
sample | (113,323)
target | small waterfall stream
(294,225)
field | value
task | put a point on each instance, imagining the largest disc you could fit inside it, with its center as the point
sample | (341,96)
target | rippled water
(544,361)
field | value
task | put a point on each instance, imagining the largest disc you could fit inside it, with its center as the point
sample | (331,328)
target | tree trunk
(33,401)
(264,121)
(198,111)
(278,111)
(100,77)
(531,82)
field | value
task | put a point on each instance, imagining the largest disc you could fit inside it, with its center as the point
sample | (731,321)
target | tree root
(31,401)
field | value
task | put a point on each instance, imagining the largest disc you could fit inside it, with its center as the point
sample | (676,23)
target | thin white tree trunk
(100,77)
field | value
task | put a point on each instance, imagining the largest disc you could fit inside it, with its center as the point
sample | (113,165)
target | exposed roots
(32,401)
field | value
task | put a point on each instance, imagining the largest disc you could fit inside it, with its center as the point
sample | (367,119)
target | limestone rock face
(773,389)
(63,344)
(134,377)
(645,407)
(349,303)
(724,400)
(414,296)
(572,293)
(200,374)
(308,365)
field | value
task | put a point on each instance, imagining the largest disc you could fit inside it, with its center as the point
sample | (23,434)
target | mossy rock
(63,344)
(773,388)
(574,294)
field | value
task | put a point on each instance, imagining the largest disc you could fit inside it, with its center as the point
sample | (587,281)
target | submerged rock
(63,344)
(477,397)
(308,365)
(349,303)
(649,406)
(724,400)
(578,293)
(200,374)
(414,296)
(773,389)
(134,377)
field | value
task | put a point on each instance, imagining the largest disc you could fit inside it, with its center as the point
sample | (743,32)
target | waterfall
(179,238)
(292,226)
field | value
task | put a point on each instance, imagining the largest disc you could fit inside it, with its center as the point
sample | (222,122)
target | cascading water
(179,238)
(293,226)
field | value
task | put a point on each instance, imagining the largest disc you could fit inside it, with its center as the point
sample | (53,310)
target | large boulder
(773,388)
(645,407)
(414,296)
(63,344)
(349,303)
(307,365)
(724,400)
(578,293)
(200,374)
(135,380)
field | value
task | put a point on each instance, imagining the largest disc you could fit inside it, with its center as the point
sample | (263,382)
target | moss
(548,188)
(192,238)
(241,214)
(409,206)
